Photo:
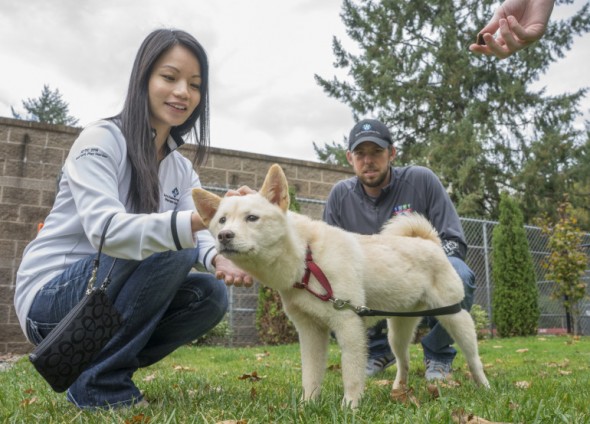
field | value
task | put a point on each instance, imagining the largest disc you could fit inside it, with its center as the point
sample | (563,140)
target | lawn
(534,380)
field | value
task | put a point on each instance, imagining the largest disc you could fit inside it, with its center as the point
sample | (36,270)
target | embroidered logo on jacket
(173,196)
(401,209)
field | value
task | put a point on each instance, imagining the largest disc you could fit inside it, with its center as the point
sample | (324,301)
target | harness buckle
(340,304)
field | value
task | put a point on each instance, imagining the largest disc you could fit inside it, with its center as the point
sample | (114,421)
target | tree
(49,108)
(334,154)
(566,263)
(515,306)
(474,120)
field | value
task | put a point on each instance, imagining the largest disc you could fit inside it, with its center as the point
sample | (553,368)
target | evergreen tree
(515,307)
(474,120)
(49,108)
(334,154)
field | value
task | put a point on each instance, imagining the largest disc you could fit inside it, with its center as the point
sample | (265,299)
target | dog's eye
(222,220)
(251,218)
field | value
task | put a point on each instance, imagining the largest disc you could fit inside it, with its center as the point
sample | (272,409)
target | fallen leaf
(433,391)
(29,401)
(522,350)
(334,367)
(250,377)
(260,356)
(522,384)
(149,378)
(232,422)
(383,382)
(181,368)
(404,395)
(462,417)
(139,418)
(563,372)
(253,393)
(498,347)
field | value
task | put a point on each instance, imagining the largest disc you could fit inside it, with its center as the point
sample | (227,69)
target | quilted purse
(80,336)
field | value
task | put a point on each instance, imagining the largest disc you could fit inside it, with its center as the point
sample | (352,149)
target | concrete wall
(31,156)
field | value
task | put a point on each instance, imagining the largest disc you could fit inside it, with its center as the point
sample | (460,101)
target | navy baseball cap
(369,130)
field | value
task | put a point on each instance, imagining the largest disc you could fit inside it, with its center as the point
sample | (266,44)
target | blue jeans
(163,305)
(437,343)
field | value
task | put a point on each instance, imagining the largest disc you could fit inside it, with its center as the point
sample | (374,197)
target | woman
(127,166)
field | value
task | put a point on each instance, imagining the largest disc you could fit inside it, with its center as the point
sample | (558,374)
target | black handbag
(80,336)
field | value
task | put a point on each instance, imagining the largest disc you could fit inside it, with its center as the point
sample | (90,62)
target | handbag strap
(96,263)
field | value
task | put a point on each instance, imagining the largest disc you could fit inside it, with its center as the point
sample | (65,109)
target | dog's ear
(275,187)
(206,204)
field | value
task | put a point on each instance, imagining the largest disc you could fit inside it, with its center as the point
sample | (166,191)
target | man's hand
(230,273)
(521,23)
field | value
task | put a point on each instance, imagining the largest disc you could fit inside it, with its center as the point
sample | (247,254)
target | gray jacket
(411,189)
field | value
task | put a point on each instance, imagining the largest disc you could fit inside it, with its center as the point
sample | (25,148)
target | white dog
(403,268)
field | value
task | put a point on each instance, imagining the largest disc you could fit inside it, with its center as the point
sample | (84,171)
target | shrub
(515,297)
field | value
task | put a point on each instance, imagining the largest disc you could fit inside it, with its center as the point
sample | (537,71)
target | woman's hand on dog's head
(242,191)
(227,271)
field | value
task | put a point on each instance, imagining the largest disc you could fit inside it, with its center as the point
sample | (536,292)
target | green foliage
(219,335)
(334,154)
(515,297)
(481,320)
(49,108)
(273,326)
(476,121)
(566,263)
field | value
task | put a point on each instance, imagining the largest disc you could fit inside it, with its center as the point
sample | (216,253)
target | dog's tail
(411,225)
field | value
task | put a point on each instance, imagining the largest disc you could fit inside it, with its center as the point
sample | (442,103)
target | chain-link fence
(243,301)
(553,319)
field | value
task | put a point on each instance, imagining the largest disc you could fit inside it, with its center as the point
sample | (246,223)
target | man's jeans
(163,305)
(437,343)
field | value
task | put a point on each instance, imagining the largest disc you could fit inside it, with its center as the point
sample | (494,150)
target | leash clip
(340,304)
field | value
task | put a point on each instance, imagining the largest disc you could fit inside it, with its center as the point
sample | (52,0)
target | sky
(263,55)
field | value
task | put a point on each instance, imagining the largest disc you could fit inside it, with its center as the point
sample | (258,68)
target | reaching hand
(231,274)
(521,22)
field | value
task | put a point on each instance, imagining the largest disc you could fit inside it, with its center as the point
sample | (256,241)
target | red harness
(312,268)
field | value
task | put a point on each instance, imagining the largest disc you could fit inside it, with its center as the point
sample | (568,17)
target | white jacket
(94,185)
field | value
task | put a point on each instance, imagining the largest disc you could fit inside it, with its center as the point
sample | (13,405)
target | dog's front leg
(313,342)
(351,336)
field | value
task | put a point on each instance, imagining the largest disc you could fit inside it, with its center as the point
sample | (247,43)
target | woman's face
(174,89)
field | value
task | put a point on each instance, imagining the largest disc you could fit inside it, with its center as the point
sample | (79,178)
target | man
(363,203)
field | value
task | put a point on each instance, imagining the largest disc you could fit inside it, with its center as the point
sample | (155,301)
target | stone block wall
(31,156)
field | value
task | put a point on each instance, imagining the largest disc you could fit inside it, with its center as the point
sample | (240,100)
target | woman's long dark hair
(134,119)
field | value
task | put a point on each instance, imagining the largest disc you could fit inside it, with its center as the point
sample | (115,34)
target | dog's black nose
(225,236)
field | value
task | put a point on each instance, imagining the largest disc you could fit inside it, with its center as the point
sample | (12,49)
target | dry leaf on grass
(461,417)
(522,350)
(232,422)
(334,367)
(250,377)
(433,391)
(404,395)
(181,368)
(383,382)
(149,378)
(260,356)
(138,419)
(522,384)
(29,401)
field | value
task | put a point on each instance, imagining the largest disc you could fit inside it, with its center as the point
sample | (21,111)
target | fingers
(242,191)
(237,280)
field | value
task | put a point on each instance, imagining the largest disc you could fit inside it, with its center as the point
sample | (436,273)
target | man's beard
(377,182)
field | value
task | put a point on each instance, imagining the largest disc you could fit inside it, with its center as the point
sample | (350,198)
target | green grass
(206,385)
